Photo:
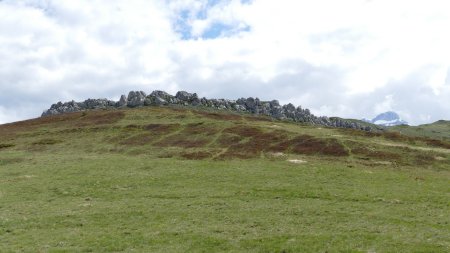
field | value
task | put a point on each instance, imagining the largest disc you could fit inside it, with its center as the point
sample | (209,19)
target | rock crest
(182,98)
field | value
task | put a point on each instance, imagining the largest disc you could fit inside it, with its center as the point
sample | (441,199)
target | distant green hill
(169,179)
(438,130)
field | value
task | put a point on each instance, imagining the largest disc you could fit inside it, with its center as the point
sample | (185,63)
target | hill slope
(438,130)
(176,179)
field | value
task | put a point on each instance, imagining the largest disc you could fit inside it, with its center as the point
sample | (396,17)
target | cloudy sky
(348,58)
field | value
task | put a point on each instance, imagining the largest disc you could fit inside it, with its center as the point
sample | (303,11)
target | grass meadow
(184,180)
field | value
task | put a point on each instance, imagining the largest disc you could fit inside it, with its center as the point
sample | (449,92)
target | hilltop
(182,98)
(179,178)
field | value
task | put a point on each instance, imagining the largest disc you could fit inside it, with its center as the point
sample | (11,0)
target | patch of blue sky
(223,30)
(182,25)
(214,2)
(216,30)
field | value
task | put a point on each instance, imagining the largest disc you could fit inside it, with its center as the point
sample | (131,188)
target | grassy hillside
(437,130)
(182,180)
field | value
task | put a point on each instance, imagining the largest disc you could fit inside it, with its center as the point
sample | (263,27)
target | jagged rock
(97,104)
(241,101)
(136,98)
(250,105)
(160,101)
(161,94)
(239,108)
(122,102)
(289,111)
(186,96)
(274,103)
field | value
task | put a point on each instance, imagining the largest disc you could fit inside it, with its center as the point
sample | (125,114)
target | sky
(347,58)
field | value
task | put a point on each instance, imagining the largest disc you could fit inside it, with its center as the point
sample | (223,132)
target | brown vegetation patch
(71,130)
(85,129)
(244,131)
(218,116)
(46,120)
(132,127)
(308,145)
(181,116)
(46,142)
(259,118)
(162,129)
(248,142)
(277,141)
(256,142)
(200,155)
(424,159)
(228,139)
(199,128)
(100,118)
(334,148)
(396,136)
(9,131)
(437,143)
(6,145)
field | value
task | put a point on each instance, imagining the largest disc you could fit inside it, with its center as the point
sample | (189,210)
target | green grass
(439,130)
(87,183)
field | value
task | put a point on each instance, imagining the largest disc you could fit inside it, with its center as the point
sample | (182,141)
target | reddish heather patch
(162,129)
(133,127)
(200,128)
(424,159)
(228,139)
(47,142)
(255,142)
(309,145)
(9,131)
(6,145)
(244,131)
(100,118)
(259,118)
(436,143)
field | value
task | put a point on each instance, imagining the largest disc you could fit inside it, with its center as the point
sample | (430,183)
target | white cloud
(337,57)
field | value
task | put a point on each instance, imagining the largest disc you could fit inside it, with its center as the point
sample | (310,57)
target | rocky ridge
(182,98)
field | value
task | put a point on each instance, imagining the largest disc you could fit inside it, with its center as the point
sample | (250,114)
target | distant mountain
(387,119)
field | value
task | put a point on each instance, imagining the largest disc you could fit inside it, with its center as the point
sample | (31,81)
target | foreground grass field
(182,180)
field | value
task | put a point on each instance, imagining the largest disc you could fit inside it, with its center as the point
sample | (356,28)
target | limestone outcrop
(182,98)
